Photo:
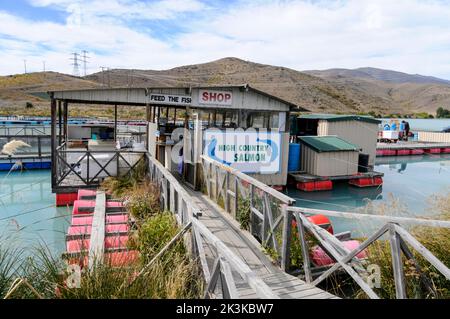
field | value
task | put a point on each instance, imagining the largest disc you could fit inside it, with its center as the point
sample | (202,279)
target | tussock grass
(437,240)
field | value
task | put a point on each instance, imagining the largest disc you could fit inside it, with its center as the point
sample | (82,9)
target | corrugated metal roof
(328,144)
(338,117)
(138,95)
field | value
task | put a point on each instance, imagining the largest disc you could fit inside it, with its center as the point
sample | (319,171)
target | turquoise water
(409,184)
(28,216)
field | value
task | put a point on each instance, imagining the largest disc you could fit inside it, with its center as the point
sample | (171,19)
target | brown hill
(404,93)
(310,92)
(17,90)
(335,90)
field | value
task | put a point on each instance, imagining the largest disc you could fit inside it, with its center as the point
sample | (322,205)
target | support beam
(59,123)
(66,122)
(53,139)
(115,123)
(97,242)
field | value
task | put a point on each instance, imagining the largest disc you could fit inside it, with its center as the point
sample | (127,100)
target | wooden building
(197,113)
(359,130)
(328,156)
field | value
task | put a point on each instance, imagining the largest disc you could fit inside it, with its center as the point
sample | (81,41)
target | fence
(273,211)
(82,167)
(221,275)
(254,204)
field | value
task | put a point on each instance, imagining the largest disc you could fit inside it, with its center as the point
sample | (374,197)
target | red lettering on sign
(216,97)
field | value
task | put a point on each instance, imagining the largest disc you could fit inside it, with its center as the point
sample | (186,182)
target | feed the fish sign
(213,97)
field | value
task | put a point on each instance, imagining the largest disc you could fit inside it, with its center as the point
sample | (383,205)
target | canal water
(28,216)
(408,189)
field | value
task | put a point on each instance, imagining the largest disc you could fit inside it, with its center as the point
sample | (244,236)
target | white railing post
(286,244)
(397,264)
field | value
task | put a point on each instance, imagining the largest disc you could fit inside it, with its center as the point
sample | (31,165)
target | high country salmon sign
(249,152)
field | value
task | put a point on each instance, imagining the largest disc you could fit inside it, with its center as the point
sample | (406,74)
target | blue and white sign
(249,152)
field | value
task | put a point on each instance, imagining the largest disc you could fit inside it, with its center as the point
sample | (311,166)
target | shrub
(143,200)
(155,233)
(243,213)
(29,105)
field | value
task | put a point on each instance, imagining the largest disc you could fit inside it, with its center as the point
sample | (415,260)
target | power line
(85,61)
(76,65)
(106,70)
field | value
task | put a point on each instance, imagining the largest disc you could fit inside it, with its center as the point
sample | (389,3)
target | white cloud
(407,35)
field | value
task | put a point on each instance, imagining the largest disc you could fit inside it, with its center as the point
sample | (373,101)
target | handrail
(383,218)
(190,212)
(346,259)
(282,197)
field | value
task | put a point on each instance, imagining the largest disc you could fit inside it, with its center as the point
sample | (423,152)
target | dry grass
(437,240)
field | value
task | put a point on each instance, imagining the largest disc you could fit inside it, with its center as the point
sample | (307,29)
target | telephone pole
(25,65)
(43,65)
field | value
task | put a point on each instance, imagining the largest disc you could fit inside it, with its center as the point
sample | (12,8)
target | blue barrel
(294,157)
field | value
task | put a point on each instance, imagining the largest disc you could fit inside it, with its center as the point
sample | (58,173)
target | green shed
(328,156)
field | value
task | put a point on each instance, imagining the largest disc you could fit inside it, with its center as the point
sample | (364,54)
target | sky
(411,36)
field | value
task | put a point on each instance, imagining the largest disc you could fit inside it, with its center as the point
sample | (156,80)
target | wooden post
(65,117)
(252,215)
(97,239)
(236,196)
(227,198)
(397,264)
(172,199)
(229,290)
(305,250)
(115,123)
(87,167)
(39,146)
(216,179)
(53,140)
(166,195)
(211,285)
(59,123)
(286,246)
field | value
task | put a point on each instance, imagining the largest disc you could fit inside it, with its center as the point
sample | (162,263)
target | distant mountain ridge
(379,74)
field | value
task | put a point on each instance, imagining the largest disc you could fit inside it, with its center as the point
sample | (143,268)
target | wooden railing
(176,199)
(86,169)
(275,212)
(236,191)
(25,130)
(398,236)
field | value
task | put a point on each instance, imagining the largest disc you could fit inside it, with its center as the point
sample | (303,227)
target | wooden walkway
(245,246)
